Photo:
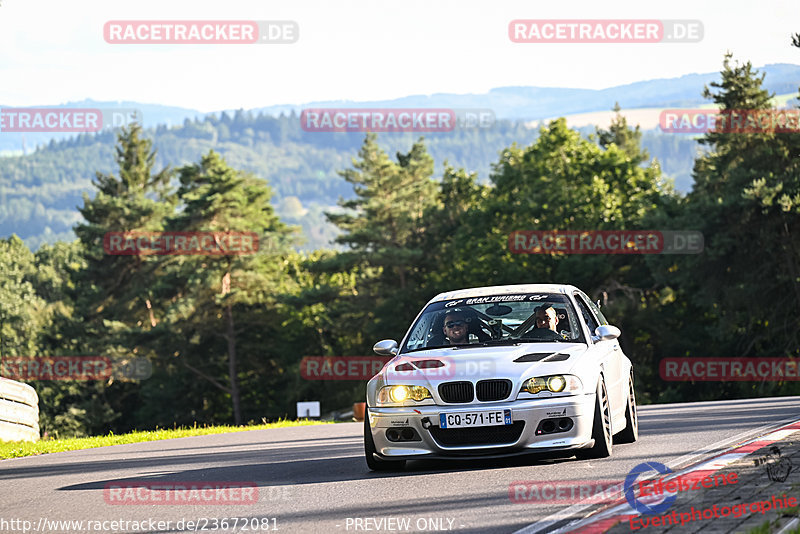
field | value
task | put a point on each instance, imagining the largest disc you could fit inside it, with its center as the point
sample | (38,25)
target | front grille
(456,392)
(493,390)
(481,435)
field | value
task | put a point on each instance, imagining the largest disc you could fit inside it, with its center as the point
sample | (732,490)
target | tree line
(42,189)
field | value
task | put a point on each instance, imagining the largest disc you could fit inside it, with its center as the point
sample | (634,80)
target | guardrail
(19,411)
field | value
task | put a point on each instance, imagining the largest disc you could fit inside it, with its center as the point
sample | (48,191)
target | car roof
(504,290)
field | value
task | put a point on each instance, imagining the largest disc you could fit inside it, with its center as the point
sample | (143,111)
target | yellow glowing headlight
(534,385)
(554,384)
(401,393)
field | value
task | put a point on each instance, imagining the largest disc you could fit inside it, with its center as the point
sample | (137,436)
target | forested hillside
(40,192)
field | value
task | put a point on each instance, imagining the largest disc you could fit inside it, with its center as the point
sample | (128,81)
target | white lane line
(545,524)
(789,526)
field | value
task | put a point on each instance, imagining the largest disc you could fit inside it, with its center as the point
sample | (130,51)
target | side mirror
(606,332)
(388,347)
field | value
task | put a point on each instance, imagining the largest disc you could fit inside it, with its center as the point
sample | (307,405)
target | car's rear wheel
(374,463)
(601,428)
(631,432)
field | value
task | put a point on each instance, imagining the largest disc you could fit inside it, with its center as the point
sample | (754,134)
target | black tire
(374,463)
(631,432)
(601,427)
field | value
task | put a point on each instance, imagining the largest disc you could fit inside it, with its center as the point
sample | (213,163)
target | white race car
(497,371)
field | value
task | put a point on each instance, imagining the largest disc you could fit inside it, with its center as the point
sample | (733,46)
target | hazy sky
(53,51)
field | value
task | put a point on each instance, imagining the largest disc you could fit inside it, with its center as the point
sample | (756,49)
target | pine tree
(137,200)
(746,201)
(628,139)
(115,302)
(383,224)
(217,198)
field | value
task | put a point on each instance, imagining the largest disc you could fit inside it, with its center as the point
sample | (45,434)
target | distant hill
(647,118)
(513,103)
(531,103)
(152,115)
(39,192)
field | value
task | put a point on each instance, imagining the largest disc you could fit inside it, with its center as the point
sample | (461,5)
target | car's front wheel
(601,428)
(374,463)
(631,431)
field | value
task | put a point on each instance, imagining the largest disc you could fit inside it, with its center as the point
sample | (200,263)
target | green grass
(764,528)
(16,449)
(769,527)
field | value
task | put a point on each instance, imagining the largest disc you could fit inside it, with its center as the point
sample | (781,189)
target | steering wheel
(545,334)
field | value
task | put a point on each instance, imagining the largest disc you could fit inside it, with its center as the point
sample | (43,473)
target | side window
(597,312)
(591,322)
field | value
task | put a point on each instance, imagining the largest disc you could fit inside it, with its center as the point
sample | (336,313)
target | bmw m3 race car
(497,371)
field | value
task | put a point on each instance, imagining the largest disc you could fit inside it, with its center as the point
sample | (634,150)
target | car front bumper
(431,441)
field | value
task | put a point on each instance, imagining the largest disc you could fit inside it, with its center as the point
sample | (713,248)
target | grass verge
(16,449)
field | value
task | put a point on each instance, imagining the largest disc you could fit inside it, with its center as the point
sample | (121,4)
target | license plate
(470,419)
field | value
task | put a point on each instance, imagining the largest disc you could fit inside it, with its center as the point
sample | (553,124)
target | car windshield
(495,319)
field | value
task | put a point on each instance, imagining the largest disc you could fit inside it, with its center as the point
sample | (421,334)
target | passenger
(456,329)
(546,317)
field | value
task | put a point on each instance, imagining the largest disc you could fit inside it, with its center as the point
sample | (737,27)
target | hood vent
(429,364)
(542,357)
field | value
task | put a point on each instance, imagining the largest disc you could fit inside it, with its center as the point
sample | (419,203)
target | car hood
(517,363)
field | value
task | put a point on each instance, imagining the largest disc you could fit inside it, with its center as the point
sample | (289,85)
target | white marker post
(308,409)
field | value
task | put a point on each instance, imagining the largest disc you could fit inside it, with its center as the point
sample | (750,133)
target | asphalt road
(314,479)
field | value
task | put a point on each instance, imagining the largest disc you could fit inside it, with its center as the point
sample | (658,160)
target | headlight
(554,384)
(398,394)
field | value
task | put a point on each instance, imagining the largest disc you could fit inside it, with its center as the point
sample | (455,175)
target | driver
(455,328)
(546,317)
